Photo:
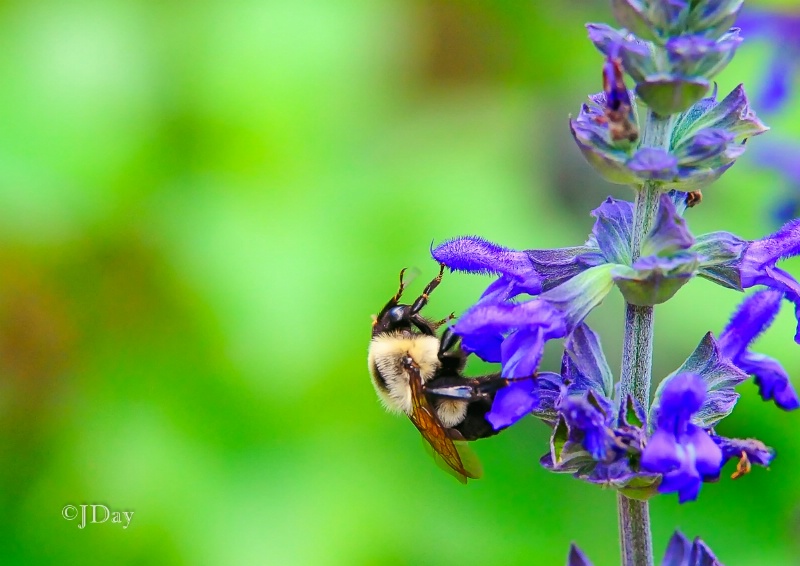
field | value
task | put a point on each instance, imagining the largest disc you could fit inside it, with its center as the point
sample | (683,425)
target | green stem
(637,354)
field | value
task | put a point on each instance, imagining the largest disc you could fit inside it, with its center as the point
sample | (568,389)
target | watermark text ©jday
(95,514)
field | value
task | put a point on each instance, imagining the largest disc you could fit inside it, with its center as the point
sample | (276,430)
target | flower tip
(473,254)
(788,401)
(576,557)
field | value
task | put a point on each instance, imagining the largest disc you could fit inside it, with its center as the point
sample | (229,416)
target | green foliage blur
(201,204)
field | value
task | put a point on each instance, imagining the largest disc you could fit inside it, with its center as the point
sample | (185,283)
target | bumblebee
(419,374)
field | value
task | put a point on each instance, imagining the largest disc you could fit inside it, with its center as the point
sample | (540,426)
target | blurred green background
(201,204)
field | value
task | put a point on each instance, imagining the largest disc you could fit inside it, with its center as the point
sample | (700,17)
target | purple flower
(758,265)
(753,316)
(783,157)
(476,255)
(584,369)
(741,264)
(511,333)
(589,420)
(721,376)
(707,140)
(577,557)
(693,55)
(682,452)
(783,30)
(569,283)
(680,552)
(634,53)
(513,402)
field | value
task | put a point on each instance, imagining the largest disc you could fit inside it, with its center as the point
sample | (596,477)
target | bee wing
(470,461)
(424,418)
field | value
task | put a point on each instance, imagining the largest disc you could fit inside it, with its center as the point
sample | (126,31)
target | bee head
(392,317)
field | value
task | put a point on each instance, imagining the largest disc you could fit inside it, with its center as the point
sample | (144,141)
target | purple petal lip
(754,315)
(513,402)
(682,452)
(476,255)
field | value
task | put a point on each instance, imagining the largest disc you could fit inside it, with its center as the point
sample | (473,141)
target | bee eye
(397,314)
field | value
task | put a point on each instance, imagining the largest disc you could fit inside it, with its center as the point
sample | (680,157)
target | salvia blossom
(681,451)
(680,552)
(783,157)
(659,127)
(782,29)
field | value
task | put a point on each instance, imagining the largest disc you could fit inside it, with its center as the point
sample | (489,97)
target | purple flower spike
(782,157)
(682,452)
(783,30)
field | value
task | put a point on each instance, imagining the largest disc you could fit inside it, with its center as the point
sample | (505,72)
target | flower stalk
(637,354)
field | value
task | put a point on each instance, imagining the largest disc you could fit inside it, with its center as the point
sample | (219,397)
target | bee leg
(394,300)
(462,389)
(450,317)
(399,293)
(448,341)
(422,300)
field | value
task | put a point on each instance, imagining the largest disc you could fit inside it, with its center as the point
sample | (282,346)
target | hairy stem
(637,355)
(634,532)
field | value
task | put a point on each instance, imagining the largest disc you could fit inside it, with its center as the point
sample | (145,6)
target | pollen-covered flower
(782,29)
(682,452)
(747,451)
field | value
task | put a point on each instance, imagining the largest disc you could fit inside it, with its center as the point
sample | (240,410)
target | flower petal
(577,557)
(661,453)
(772,380)
(513,402)
(679,399)
(584,349)
(754,315)
(707,455)
(613,228)
(670,233)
